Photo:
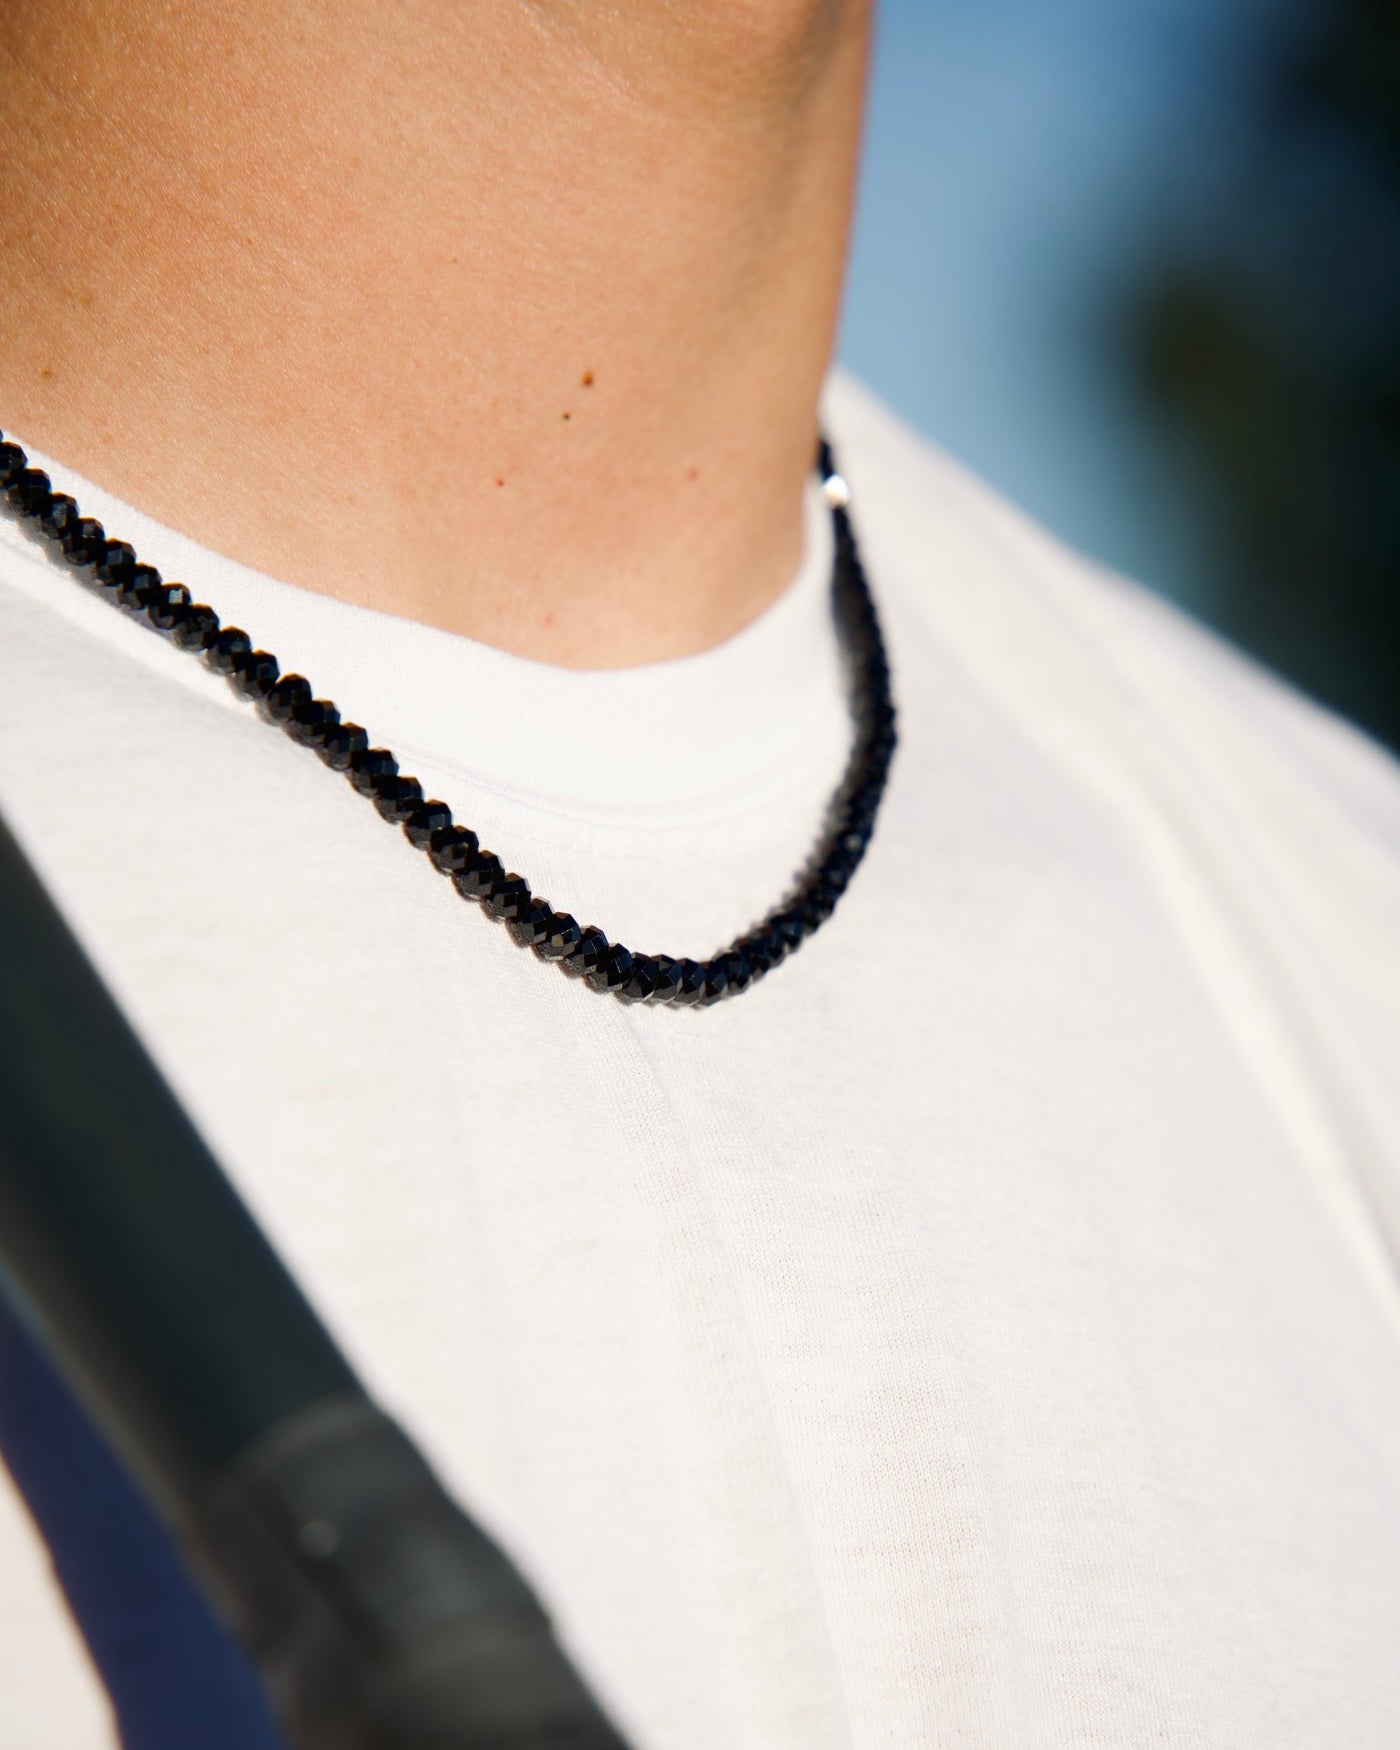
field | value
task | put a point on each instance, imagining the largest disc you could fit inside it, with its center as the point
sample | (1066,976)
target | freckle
(46,372)
(567,416)
(587,379)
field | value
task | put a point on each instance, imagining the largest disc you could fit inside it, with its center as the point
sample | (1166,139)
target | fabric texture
(985,1332)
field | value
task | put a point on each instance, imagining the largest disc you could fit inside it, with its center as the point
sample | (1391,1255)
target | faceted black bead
(654,979)
(291,690)
(453,848)
(61,517)
(396,798)
(835,872)
(383,783)
(858,813)
(533,925)
(85,543)
(763,950)
(252,672)
(366,766)
(788,927)
(858,609)
(117,563)
(426,819)
(879,767)
(614,969)
(880,751)
(480,876)
(716,981)
(667,983)
(197,628)
(230,642)
(736,964)
(29,492)
(851,841)
(308,722)
(829,882)
(816,905)
(640,981)
(133,582)
(562,937)
(337,743)
(690,983)
(508,901)
(13,462)
(166,605)
(877,720)
(588,957)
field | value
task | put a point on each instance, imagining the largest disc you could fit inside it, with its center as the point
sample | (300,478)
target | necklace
(288,702)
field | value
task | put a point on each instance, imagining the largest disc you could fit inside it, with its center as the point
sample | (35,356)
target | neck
(508,318)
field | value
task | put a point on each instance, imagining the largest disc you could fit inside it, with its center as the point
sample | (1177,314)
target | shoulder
(1268,827)
(1085,650)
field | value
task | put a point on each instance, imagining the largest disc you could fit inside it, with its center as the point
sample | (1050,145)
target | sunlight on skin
(509,318)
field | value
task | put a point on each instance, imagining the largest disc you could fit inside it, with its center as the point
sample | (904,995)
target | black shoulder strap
(382,1615)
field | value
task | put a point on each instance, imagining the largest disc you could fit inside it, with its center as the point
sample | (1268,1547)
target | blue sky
(1021,157)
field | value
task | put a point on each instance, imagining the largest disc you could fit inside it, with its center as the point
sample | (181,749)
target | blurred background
(1137,262)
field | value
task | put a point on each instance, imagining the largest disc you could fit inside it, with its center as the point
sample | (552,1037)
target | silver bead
(836,492)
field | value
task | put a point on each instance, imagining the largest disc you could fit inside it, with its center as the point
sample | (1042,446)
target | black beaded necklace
(287,701)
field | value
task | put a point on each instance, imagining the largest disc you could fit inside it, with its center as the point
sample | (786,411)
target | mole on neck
(509,319)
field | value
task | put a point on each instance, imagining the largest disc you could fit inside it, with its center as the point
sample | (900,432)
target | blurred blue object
(176,1678)
(1139,266)
(1020,159)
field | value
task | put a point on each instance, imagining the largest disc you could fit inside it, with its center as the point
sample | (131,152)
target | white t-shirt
(986,1331)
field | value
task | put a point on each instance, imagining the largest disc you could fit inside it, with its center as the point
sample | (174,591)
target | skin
(509,317)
